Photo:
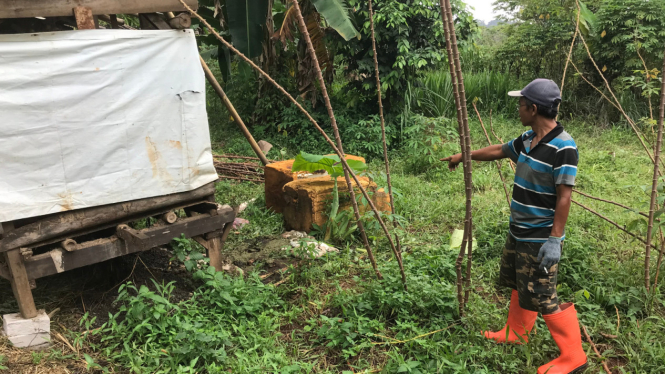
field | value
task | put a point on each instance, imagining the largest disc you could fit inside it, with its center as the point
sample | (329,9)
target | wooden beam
(60,226)
(153,21)
(84,18)
(58,8)
(20,284)
(59,260)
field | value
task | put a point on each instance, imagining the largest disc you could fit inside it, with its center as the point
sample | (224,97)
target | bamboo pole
(465,144)
(654,184)
(338,139)
(236,117)
(281,89)
(383,124)
(498,164)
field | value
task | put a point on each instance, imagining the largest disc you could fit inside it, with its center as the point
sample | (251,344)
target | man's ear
(535,108)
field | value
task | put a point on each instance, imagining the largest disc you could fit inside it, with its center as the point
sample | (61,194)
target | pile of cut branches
(247,169)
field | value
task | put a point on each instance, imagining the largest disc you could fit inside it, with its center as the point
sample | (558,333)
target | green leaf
(246,21)
(456,240)
(336,14)
(309,162)
(224,60)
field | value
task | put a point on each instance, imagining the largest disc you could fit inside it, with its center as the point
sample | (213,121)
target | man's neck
(542,127)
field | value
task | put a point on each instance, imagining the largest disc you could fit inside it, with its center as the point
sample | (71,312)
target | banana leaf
(308,162)
(336,14)
(246,21)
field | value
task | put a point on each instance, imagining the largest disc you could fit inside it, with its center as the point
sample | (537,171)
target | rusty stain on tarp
(67,201)
(175,144)
(156,160)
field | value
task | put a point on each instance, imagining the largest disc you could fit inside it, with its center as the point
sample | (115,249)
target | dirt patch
(266,252)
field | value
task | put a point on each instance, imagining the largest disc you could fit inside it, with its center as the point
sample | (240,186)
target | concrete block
(31,340)
(30,332)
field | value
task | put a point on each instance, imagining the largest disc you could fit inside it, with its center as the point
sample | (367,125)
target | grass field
(332,316)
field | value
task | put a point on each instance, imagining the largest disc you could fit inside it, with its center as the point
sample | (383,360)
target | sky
(483,9)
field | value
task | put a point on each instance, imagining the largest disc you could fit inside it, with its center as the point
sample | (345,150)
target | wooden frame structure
(41,246)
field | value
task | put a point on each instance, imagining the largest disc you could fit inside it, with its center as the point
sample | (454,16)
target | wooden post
(236,117)
(18,278)
(215,245)
(114,21)
(84,18)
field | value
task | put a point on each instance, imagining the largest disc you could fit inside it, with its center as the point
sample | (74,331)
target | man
(546,158)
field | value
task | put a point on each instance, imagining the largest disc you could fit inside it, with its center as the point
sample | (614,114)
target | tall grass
(433,97)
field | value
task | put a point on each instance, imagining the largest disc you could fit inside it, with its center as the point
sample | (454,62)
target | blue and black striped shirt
(540,169)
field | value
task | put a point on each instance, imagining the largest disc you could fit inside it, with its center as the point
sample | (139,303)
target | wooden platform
(107,234)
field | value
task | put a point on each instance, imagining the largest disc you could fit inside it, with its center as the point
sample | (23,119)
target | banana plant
(338,224)
(250,24)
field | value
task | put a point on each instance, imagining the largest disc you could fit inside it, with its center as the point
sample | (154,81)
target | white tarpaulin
(95,117)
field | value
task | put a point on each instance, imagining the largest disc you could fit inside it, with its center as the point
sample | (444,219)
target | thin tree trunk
(570,53)
(304,111)
(383,124)
(324,91)
(654,184)
(465,141)
(498,164)
(660,260)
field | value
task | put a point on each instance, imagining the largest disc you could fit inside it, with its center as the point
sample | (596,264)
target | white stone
(31,332)
(320,248)
(31,340)
(14,324)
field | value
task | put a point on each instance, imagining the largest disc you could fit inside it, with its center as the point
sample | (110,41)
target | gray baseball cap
(540,91)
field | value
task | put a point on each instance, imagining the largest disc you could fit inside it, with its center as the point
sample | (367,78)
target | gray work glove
(550,252)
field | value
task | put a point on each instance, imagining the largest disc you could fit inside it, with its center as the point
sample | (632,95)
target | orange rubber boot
(565,329)
(520,321)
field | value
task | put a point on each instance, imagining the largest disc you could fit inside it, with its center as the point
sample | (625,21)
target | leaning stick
(462,120)
(630,121)
(588,338)
(654,185)
(338,139)
(570,51)
(383,124)
(236,117)
(306,113)
(609,202)
(498,164)
(612,222)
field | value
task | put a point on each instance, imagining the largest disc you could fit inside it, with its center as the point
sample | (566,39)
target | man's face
(527,113)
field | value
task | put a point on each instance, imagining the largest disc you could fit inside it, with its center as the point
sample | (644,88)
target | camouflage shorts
(519,271)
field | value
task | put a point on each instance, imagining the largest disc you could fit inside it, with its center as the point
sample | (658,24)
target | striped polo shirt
(540,169)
